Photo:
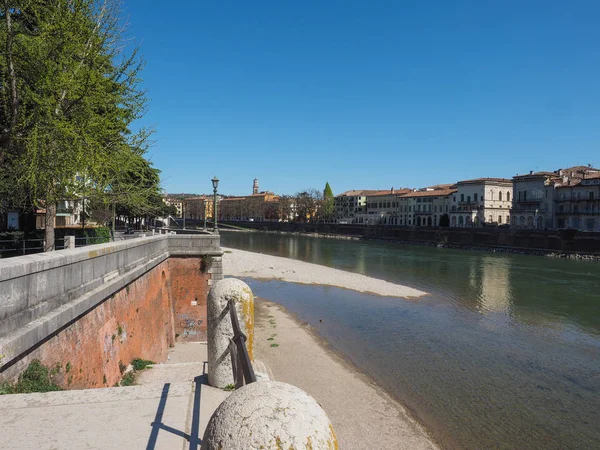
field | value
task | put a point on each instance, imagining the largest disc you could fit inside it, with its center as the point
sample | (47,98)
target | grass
(271,339)
(36,378)
(274,345)
(229,387)
(141,364)
(227,251)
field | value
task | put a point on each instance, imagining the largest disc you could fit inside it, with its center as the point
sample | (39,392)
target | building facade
(533,203)
(351,206)
(578,203)
(481,201)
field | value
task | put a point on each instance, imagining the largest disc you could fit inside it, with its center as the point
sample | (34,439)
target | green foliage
(69,97)
(128,379)
(328,203)
(229,387)
(141,364)
(206,262)
(35,378)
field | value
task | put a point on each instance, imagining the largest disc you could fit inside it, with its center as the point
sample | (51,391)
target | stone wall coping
(25,265)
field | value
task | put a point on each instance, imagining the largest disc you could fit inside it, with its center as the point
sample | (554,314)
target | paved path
(168,410)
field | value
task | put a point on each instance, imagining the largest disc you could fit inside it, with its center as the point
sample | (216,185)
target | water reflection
(552,293)
(473,384)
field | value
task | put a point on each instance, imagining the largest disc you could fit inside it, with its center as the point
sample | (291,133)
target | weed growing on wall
(36,378)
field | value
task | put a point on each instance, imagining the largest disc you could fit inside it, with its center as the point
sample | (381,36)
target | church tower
(255,186)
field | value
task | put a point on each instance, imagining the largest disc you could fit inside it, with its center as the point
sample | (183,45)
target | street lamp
(215,183)
(205,208)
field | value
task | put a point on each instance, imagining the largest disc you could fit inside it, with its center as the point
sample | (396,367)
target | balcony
(529,201)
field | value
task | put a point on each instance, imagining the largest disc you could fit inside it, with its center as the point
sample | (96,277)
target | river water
(503,353)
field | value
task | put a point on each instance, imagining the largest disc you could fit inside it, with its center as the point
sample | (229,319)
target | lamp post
(215,183)
(183,212)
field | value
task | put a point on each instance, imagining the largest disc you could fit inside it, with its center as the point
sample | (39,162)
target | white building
(481,201)
(578,203)
(534,200)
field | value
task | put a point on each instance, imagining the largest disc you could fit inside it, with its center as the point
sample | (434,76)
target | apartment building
(427,206)
(481,201)
(255,207)
(351,206)
(578,201)
(177,203)
(383,207)
(534,200)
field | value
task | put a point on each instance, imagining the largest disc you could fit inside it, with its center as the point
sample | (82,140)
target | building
(383,207)
(426,207)
(177,203)
(481,201)
(255,207)
(196,208)
(565,198)
(578,199)
(351,206)
(534,200)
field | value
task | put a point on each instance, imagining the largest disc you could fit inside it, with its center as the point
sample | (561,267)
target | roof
(389,192)
(591,175)
(483,180)
(536,175)
(434,193)
(358,193)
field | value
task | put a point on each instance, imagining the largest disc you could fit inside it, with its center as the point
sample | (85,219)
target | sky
(366,94)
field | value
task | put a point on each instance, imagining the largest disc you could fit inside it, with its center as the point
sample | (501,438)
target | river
(504,352)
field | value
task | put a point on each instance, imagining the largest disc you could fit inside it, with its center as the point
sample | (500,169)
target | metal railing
(240,360)
(21,247)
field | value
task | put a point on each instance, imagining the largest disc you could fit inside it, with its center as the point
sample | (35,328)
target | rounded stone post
(69,242)
(269,414)
(220,329)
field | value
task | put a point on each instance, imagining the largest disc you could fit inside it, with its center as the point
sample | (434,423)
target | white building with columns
(481,201)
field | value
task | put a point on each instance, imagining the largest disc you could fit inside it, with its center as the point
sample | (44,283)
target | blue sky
(367,94)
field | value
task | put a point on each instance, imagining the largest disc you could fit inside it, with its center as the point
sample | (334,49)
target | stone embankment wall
(567,241)
(87,312)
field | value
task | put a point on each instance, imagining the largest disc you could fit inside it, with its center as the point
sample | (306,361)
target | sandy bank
(240,263)
(363,415)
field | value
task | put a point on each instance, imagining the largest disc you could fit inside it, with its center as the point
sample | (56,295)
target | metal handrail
(240,360)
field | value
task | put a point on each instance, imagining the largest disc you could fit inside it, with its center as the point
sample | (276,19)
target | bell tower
(255,186)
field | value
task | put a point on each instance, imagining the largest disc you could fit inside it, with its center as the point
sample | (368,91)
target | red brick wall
(189,289)
(139,321)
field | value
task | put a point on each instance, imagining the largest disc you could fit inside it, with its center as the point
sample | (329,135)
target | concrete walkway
(169,409)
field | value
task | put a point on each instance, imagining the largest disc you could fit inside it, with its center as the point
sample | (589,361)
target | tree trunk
(49,227)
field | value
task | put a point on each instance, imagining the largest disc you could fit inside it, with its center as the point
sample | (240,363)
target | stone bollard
(69,242)
(220,330)
(269,414)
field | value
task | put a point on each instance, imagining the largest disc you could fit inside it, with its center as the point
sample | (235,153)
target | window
(468,199)
(475,197)
(500,195)
(575,209)
(500,217)
(429,208)
(462,197)
(490,220)
(591,196)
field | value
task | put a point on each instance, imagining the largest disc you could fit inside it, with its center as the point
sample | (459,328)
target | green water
(504,352)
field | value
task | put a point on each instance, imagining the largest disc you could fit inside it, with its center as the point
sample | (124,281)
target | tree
(71,98)
(328,208)
(308,205)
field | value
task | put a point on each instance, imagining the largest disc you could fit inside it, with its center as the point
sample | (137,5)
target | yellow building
(255,207)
